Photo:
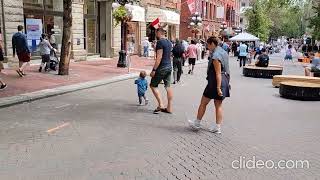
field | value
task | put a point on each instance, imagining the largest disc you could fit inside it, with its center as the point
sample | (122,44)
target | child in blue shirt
(142,86)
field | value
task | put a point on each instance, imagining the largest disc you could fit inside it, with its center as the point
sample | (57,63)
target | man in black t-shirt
(161,71)
(263,59)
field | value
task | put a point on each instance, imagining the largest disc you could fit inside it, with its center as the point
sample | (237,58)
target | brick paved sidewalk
(79,72)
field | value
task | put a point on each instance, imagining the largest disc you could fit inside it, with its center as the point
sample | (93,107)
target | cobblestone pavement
(104,135)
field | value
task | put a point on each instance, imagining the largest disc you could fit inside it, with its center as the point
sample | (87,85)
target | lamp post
(238,30)
(122,62)
(195,23)
(223,27)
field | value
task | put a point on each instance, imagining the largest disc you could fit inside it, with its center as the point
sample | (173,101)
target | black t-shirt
(263,59)
(166,46)
(178,51)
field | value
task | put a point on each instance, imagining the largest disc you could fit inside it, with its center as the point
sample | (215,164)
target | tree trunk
(66,38)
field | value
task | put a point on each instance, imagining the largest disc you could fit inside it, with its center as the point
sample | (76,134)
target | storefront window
(89,7)
(54,5)
(33,4)
(43,16)
(133,37)
(151,32)
(90,28)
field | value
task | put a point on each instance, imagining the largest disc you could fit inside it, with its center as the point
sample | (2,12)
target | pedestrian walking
(52,40)
(185,45)
(199,50)
(161,71)
(204,49)
(192,53)
(234,49)
(45,50)
(288,55)
(3,85)
(146,45)
(142,87)
(243,52)
(218,77)
(20,46)
(177,53)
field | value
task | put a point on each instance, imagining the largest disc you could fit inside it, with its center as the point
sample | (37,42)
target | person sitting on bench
(263,59)
(314,67)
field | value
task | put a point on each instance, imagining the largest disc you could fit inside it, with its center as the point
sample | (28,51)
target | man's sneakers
(3,86)
(194,124)
(215,129)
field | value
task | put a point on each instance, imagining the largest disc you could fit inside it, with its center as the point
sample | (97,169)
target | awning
(165,16)
(138,13)
(244,37)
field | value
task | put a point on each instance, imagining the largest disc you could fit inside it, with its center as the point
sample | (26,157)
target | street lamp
(195,23)
(238,30)
(223,27)
(122,62)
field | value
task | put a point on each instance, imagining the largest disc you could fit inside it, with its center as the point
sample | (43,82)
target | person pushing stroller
(45,51)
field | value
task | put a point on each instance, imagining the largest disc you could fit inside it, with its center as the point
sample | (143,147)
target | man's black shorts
(192,61)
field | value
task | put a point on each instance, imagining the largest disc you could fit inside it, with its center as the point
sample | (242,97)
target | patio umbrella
(244,37)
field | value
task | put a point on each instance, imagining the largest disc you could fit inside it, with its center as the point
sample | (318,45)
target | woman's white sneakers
(215,129)
(194,124)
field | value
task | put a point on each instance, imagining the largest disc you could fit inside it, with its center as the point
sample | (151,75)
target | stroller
(54,61)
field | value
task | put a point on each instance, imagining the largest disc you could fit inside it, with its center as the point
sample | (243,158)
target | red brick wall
(172,4)
(185,15)
(185,32)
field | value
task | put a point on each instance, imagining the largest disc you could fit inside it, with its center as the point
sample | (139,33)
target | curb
(28,97)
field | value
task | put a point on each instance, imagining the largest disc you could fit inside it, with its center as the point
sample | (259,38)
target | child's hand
(152,74)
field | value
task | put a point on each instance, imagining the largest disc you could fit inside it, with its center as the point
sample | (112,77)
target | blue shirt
(166,46)
(142,86)
(225,46)
(316,62)
(243,50)
(221,55)
(20,43)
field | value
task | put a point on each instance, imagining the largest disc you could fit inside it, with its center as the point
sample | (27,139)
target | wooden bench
(262,72)
(270,65)
(300,91)
(288,78)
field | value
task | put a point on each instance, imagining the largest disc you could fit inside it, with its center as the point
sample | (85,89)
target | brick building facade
(93,31)
(208,11)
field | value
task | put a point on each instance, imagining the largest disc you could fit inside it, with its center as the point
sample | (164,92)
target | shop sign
(34,31)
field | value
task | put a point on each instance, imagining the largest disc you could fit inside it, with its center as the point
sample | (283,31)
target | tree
(259,22)
(315,21)
(66,38)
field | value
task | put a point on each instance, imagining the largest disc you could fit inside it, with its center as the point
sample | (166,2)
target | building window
(243,4)
(211,12)
(241,20)
(43,16)
(90,27)
(203,9)
(33,4)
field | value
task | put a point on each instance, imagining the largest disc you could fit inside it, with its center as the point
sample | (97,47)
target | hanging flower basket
(121,14)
